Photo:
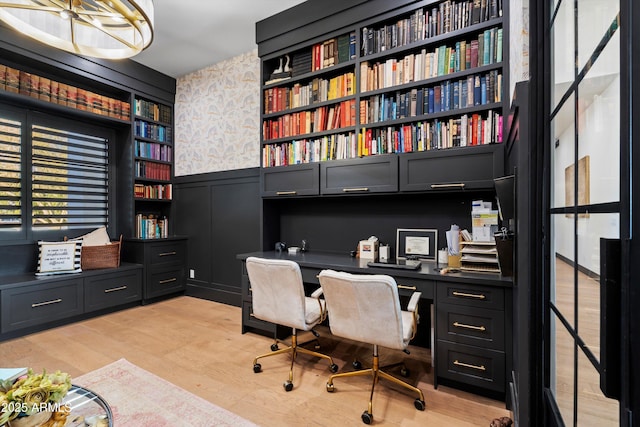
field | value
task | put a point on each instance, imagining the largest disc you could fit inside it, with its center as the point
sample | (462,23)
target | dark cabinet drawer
(164,281)
(168,252)
(288,181)
(366,175)
(112,290)
(471,365)
(38,304)
(466,168)
(407,286)
(470,295)
(471,325)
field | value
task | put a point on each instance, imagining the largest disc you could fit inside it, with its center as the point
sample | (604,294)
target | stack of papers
(12,373)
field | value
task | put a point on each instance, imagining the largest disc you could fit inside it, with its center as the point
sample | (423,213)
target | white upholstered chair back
(278,293)
(365,308)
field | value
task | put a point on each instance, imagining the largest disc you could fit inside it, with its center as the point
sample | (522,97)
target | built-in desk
(472,316)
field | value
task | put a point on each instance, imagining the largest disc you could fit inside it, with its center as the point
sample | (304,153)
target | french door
(587,213)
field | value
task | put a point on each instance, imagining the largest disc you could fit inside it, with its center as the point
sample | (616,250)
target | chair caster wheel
(274,347)
(367,418)
(357,365)
(330,388)
(419,404)
(257,368)
(288,386)
(334,368)
(405,372)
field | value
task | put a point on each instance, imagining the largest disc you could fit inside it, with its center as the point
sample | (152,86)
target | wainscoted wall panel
(217,116)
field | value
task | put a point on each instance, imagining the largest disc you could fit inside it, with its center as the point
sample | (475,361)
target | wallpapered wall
(217,117)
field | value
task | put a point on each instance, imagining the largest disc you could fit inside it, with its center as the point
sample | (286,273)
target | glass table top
(88,409)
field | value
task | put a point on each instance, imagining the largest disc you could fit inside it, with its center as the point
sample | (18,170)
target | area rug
(139,398)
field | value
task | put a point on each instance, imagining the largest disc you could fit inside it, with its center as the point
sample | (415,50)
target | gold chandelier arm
(90,22)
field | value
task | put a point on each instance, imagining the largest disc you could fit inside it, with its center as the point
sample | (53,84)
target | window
(64,164)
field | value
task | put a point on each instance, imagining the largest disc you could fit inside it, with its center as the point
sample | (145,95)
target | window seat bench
(30,303)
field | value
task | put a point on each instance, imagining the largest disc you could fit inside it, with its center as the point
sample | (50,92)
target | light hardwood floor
(197,345)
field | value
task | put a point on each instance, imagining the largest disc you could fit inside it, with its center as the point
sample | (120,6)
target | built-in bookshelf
(426,77)
(36,86)
(153,167)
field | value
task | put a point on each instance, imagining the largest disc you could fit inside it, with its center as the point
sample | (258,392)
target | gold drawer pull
(466,365)
(411,288)
(119,288)
(475,328)
(162,282)
(354,190)
(167,253)
(466,295)
(459,185)
(40,304)
(286,193)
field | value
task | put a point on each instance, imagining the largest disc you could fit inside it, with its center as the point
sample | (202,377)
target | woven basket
(102,256)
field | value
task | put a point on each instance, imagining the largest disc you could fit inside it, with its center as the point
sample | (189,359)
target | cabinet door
(374,174)
(452,169)
(170,252)
(294,180)
(164,281)
(112,289)
(34,305)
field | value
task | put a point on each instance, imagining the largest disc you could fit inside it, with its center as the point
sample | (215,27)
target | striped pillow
(59,257)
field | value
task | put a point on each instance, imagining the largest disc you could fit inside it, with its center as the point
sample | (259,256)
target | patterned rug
(136,398)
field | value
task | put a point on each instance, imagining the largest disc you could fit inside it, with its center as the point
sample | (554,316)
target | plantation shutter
(70,182)
(10,174)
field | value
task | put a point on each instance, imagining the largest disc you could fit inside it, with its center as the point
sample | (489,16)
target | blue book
(352,45)
(483,90)
(463,93)
(420,102)
(487,48)
(431,101)
(477,97)
(456,95)
(447,96)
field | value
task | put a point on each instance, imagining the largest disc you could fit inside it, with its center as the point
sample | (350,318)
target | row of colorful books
(153,111)
(449,95)
(49,90)
(486,49)
(463,131)
(424,23)
(150,226)
(304,94)
(151,170)
(152,131)
(153,151)
(321,119)
(159,191)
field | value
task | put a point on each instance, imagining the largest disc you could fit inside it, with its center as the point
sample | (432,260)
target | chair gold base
(376,373)
(293,349)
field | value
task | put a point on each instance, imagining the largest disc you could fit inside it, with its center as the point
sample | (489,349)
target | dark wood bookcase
(371,156)
(153,167)
(123,83)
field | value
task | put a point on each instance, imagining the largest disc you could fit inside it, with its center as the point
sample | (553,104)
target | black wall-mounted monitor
(505,192)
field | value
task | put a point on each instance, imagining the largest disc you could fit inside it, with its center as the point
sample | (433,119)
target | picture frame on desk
(416,243)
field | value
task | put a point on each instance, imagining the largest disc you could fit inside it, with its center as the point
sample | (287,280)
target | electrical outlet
(192,273)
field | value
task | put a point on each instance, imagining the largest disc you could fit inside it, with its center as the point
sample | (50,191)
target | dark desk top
(344,262)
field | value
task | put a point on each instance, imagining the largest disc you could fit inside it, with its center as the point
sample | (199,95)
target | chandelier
(111,29)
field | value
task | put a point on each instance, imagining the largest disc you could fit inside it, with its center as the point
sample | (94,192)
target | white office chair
(366,308)
(278,297)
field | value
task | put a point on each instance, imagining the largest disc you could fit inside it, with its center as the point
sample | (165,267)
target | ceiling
(192,34)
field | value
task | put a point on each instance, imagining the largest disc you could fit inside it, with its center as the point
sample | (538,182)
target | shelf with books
(25,85)
(152,168)
(442,20)
(428,76)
